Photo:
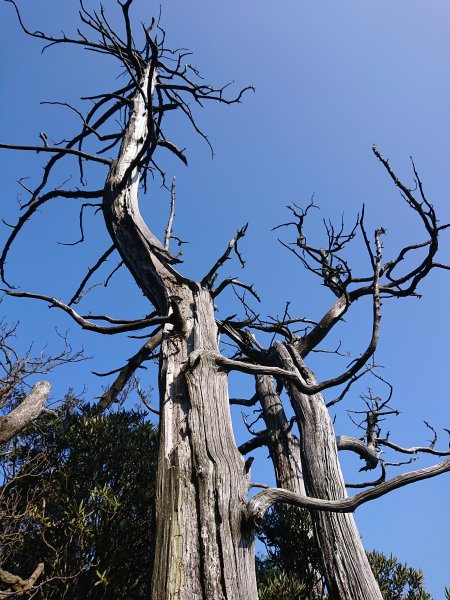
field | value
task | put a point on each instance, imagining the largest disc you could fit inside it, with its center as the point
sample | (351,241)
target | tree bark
(284,450)
(19,586)
(203,551)
(23,415)
(283,445)
(347,571)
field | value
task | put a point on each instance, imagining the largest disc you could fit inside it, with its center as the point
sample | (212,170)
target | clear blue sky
(331,79)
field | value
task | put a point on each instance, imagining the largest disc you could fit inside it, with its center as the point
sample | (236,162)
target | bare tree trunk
(284,450)
(347,571)
(203,551)
(283,445)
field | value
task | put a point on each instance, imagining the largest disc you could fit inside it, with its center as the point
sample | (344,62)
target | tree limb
(259,440)
(128,370)
(57,150)
(84,323)
(31,407)
(413,449)
(263,500)
(19,586)
(78,294)
(345,442)
(208,279)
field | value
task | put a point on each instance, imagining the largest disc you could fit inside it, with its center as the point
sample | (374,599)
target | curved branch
(245,402)
(19,586)
(413,449)
(296,378)
(135,242)
(235,282)
(345,442)
(263,500)
(84,323)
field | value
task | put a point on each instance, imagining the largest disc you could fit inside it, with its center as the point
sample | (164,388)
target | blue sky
(331,79)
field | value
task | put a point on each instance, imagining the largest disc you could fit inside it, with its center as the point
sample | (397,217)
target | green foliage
(292,566)
(78,495)
(83,484)
(279,585)
(291,551)
(397,581)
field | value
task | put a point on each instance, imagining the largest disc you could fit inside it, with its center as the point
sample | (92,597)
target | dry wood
(31,407)
(202,548)
(347,572)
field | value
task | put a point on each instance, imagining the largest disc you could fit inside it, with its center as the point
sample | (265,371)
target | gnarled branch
(263,500)
(85,323)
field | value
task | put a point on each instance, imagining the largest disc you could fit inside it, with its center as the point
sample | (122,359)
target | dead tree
(205,521)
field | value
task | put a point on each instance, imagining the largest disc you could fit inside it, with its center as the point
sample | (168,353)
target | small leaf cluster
(279,585)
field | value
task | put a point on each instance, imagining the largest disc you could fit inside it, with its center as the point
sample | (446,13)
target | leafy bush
(79,496)
(397,581)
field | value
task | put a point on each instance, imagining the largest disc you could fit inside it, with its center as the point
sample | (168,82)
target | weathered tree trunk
(284,450)
(203,550)
(347,571)
(283,445)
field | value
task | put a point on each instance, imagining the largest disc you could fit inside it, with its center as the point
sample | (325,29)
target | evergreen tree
(293,555)
(79,497)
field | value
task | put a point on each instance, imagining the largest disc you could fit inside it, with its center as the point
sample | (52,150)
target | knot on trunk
(202,357)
